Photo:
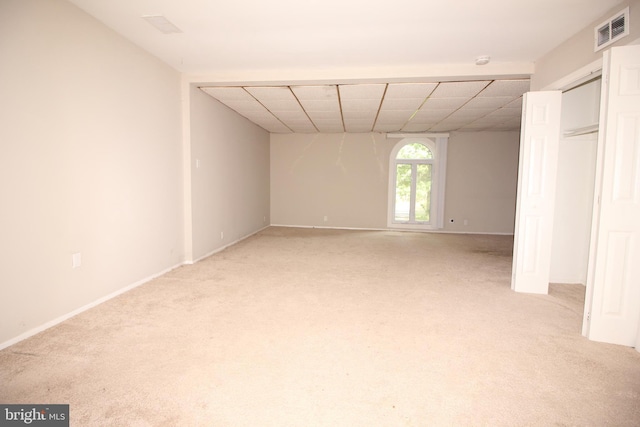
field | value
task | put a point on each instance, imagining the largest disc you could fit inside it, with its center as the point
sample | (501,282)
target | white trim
(486,233)
(442,143)
(54,322)
(187,202)
(577,77)
(220,249)
(437,143)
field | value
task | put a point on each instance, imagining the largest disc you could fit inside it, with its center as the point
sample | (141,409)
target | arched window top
(415,151)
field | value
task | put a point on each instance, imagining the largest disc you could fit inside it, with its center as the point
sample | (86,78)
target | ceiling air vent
(612,29)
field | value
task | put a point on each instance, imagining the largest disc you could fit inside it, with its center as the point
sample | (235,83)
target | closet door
(614,283)
(537,167)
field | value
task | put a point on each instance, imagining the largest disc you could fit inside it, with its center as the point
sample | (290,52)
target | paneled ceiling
(379,107)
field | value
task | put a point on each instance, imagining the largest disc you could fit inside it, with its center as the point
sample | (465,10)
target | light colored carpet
(309,327)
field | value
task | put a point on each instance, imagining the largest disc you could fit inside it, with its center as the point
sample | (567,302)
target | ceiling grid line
(303,109)
(445,106)
(344,127)
(420,107)
(386,87)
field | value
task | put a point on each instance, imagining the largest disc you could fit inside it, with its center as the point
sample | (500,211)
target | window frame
(438,146)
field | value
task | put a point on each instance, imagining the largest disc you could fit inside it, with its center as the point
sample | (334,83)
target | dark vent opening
(603,35)
(617,26)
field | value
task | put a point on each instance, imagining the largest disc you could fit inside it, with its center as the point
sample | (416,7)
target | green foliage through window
(413,176)
(415,151)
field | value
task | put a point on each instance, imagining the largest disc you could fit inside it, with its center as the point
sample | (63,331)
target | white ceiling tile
(329,125)
(379,127)
(443,127)
(431,116)
(320,104)
(493,102)
(506,112)
(301,127)
(360,104)
(403,116)
(324,92)
(409,90)
(331,129)
(354,125)
(402,104)
(363,91)
(223,93)
(270,93)
(320,115)
(458,89)
(281,104)
(471,127)
(359,115)
(359,129)
(491,120)
(292,115)
(471,112)
(455,122)
(244,106)
(295,121)
(444,103)
(417,127)
(513,88)
(262,115)
(272,126)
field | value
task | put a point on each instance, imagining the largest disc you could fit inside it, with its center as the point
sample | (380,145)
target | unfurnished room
(320,213)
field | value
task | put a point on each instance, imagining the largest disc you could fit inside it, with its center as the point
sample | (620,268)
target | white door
(613,286)
(539,142)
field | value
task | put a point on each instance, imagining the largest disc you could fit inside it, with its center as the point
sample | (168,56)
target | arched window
(416,183)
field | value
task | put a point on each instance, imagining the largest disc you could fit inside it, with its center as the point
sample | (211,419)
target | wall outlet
(221,235)
(466,222)
(326,218)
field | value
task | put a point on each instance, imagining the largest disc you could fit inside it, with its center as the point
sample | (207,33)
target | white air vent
(612,29)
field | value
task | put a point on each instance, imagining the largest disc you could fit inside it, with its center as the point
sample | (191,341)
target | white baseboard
(105,298)
(222,248)
(51,323)
(404,230)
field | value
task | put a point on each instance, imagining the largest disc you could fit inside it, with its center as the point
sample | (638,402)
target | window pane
(403,192)
(423,193)
(414,151)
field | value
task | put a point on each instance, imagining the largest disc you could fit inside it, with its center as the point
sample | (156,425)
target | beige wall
(341,176)
(345,177)
(577,52)
(482,177)
(91,163)
(229,175)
